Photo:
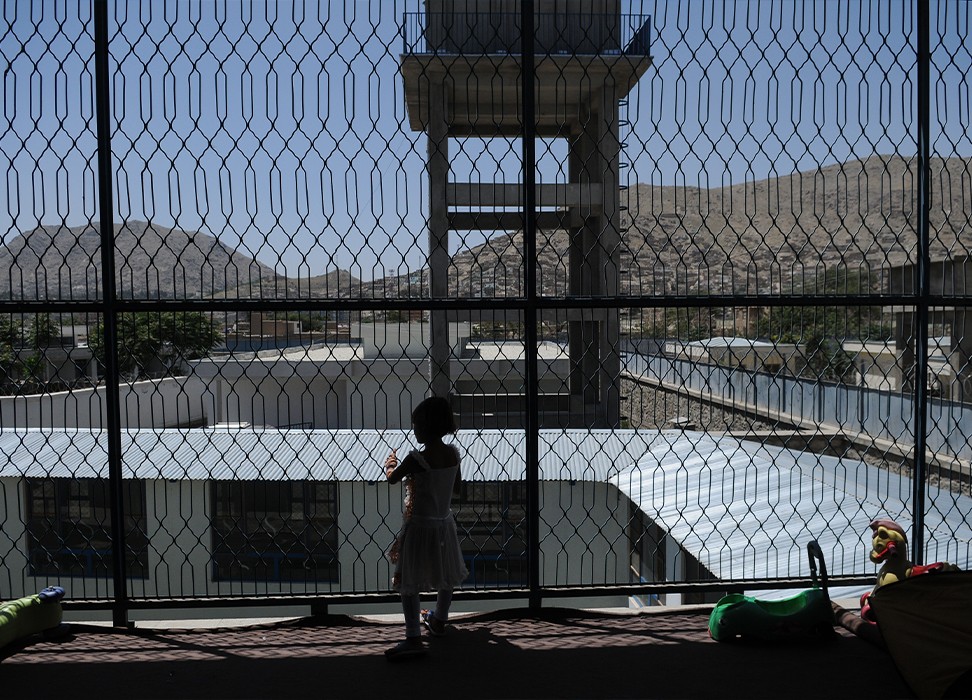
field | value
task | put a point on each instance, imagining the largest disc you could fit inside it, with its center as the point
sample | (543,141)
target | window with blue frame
(69,527)
(491,519)
(275,531)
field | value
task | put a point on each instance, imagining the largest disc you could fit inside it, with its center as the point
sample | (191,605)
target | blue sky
(280,127)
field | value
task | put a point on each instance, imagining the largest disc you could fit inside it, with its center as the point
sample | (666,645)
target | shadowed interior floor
(560,653)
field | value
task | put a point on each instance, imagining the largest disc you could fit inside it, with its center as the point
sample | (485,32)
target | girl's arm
(395,471)
(457,487)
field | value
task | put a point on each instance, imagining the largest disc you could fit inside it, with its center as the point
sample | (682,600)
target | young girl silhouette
(426,553)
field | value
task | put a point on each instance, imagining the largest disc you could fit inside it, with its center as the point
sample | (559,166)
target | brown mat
(559,654)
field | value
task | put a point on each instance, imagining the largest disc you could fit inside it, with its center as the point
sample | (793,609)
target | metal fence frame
(531,305)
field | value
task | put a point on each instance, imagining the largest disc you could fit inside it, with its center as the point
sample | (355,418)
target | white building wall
(369,519)
(385,393)
(392,340)
(279,401)
(179,559)
(318,403)
(156,403)
(582,534)
(582,542)
(13,541)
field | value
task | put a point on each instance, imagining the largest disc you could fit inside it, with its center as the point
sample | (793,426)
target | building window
(492,528)
(69,528)
(275,531)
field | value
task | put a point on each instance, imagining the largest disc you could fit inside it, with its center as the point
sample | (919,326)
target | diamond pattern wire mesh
(319,219)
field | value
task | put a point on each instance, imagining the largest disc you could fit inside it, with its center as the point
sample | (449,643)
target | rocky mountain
(339,284)
(761,237)
(756,237)
(151,262)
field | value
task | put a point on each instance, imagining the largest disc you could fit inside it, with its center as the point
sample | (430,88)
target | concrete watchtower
(462,75)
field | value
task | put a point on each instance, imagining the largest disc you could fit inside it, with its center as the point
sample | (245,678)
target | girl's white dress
(429,556)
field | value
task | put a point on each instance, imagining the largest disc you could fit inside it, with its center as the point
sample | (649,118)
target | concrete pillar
(594,270)
(609,240)
(438,163)
(575,348)
(904,343)
(583,331)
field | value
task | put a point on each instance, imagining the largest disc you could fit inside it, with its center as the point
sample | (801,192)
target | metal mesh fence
(691,274)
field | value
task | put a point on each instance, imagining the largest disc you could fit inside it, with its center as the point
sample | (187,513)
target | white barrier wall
(157,403)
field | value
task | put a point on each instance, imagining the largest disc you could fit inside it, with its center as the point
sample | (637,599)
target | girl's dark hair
(435,415)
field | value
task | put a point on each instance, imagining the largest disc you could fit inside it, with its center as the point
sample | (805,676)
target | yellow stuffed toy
(889,548)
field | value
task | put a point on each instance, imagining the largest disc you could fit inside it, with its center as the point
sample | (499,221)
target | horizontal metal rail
(500,303)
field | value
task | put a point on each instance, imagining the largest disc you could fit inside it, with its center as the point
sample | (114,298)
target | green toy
(26,616)
(806,614)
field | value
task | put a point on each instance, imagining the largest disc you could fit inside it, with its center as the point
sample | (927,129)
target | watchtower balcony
(475,46)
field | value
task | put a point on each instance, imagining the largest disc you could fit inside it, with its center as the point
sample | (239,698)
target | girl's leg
(412,610)
(435,620)
(443,602)
(412,645)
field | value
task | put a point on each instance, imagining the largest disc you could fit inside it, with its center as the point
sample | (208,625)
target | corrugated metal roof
(345,455)
(744,509)
(61,453)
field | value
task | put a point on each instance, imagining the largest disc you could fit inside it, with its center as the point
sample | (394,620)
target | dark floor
(509,654)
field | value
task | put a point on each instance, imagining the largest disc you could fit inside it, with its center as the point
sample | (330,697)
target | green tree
(32,373)
(793,323)
(44,332)
(10,332)
(686,324)
(10,338)
(822,329)
(160,340)
(826,359)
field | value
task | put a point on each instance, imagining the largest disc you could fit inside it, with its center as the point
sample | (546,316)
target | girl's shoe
(434,625)
(410,648)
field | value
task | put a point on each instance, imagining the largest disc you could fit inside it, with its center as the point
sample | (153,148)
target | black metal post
(531,422)
(110,315)
(923,286)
